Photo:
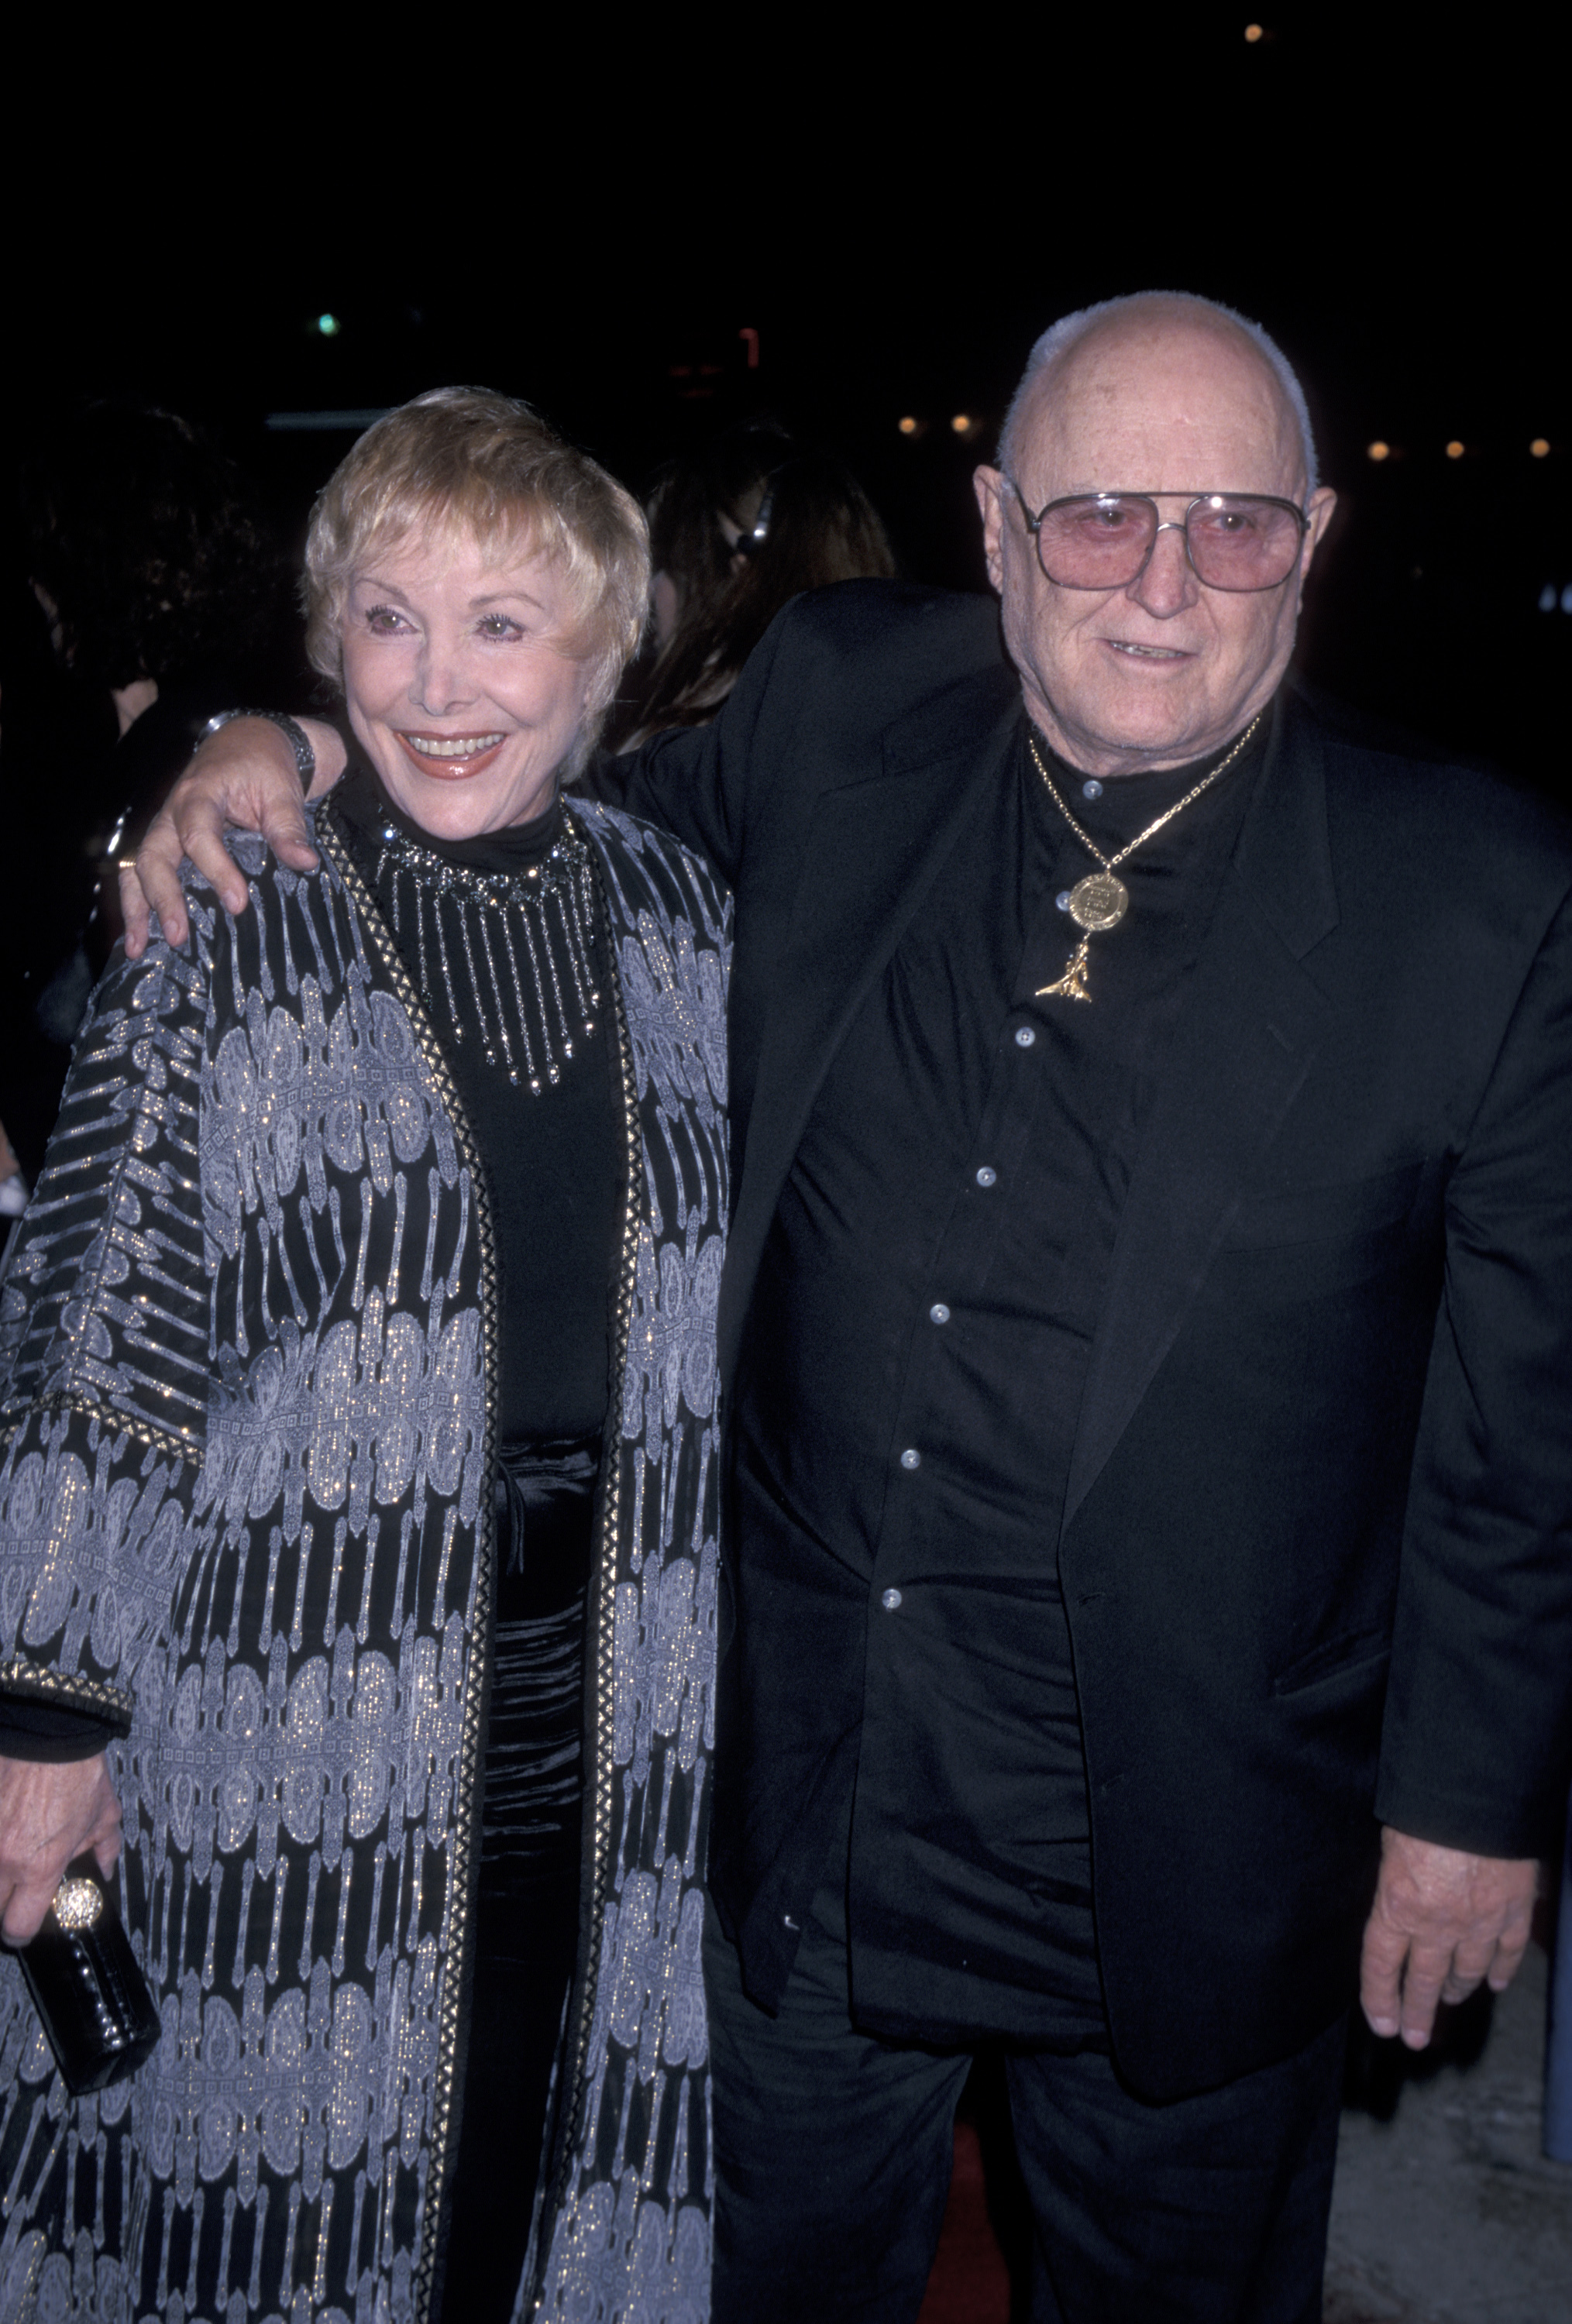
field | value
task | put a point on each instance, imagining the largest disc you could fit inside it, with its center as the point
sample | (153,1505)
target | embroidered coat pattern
(246,1345)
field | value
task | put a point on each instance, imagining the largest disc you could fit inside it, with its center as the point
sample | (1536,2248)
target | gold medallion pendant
(1098,901)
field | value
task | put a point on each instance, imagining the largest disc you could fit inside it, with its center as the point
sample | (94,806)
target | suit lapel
(873,850)
(1251,1024)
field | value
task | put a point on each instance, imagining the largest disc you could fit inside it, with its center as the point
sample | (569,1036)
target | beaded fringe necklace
(471,926)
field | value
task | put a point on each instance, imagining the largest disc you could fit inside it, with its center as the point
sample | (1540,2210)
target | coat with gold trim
(246,1350)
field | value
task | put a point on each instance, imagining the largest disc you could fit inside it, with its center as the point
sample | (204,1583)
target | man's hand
(245,775)
(1442,1922)
(48,1815)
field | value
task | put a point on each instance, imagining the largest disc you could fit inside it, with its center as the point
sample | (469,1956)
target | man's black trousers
(833,2154)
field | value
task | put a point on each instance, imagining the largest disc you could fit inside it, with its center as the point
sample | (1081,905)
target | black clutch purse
(93,2000)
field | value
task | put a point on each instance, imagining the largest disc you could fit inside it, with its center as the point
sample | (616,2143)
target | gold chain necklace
(1100,901)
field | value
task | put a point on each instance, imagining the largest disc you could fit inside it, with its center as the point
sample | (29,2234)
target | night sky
(597,213)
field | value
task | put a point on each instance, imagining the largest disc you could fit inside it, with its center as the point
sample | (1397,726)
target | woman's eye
(499,625)
(384,621)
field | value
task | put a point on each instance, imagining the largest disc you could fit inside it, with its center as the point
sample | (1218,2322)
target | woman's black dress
(517,1009)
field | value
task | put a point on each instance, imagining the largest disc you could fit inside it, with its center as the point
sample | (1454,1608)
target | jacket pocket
(1356,1655)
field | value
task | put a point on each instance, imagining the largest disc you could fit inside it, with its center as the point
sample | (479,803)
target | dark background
(591,211)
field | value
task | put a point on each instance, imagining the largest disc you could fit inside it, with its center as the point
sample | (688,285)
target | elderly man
(1146,1333)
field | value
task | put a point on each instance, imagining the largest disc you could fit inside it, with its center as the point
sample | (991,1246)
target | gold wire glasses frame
(1237,541)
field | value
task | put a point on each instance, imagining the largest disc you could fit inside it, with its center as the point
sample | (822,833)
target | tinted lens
(1097,542)
(1240,543)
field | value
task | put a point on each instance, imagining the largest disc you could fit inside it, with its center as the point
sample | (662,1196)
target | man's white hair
(1060,337)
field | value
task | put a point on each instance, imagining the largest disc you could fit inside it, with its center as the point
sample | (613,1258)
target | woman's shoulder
(648,867)
(294,925)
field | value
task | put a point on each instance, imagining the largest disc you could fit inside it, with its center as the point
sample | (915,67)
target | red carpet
(969,2284)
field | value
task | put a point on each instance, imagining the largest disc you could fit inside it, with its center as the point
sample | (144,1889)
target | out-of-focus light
(908,426)
(1548,604)
(1378,450)
(1254,32)
(1455,449)
(329,325)
(963,423)
(1541,447)
(1566,598)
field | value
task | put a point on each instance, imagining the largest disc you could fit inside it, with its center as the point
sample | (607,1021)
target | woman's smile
(451,758)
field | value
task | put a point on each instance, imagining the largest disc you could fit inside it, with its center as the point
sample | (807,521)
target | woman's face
(459,682)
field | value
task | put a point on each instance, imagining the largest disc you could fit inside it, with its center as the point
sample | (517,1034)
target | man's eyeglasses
(1104,541)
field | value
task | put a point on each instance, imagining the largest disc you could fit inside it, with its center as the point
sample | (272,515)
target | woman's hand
(48,1815)
(243,775)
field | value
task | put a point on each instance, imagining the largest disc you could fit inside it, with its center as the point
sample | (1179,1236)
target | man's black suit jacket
(1316,1547)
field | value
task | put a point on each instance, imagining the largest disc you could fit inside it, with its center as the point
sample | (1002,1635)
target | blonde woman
(357,1524)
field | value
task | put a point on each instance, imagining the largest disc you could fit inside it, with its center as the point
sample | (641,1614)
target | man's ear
(990,487)
(1323,500)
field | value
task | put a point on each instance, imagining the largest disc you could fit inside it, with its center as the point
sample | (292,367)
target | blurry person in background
(146,592)
(735,531)
(49,733)
(13,1185)
(151,560)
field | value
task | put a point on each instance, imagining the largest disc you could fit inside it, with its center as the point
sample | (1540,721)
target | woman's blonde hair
(467,459)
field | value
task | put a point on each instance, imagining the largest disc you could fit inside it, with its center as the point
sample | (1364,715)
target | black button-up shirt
(933,1280)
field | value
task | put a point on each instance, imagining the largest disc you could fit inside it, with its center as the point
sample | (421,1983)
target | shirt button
(988,1176)
(1092,789)
(912,1458)
(1024,1037)
(1063,899)
(938,1312)
(890,1601)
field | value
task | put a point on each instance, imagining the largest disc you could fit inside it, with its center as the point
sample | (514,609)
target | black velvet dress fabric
(550,1167)
(526,1926)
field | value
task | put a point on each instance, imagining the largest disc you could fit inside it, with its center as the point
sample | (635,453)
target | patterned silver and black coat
(247,1357)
